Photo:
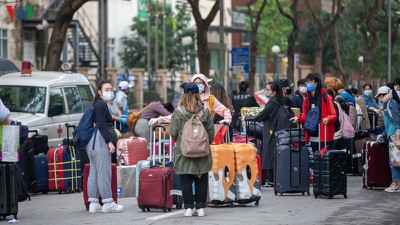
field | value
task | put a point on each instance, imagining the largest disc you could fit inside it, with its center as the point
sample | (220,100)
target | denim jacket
(392,122)
(369,102)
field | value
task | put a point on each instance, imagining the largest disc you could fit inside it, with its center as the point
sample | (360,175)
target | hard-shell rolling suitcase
(132,150)
(329,171)
(8,190)
(377,172)
(126,181)
(42,174)
(221,178)
(160,171)
(291,167)
(113,184)
(40,142)
(27,166)
(248,188)
(64,170)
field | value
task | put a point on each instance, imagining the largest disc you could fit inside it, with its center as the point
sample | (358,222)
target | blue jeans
(395,170)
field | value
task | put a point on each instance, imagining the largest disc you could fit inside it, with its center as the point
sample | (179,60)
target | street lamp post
(275,49)
(389,57)
(360,60)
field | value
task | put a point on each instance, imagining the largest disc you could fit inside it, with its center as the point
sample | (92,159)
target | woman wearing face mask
(99,181)
(370,102)
(209,101)
(269,117)
(391,117)
(316,96)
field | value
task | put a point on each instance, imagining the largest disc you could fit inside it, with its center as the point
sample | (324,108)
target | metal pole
(105,24)
(164,39)
(148,39)
(221,39)
(156,39)
(76,45)
(389,59)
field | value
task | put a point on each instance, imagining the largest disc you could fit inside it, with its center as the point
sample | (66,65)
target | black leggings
(201,188)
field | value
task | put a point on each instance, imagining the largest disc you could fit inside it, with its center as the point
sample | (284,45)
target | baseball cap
(285,83)
(191,88)
(382,90)
(183,85)
(123,85)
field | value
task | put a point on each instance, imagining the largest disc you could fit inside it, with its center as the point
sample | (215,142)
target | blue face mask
(201,87)
(368,92)
(310,87)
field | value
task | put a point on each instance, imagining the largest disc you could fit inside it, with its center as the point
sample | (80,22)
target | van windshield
(23,98)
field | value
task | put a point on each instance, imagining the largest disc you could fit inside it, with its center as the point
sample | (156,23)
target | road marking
(165,215)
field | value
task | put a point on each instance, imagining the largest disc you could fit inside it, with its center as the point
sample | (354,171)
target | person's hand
(398,134)
(111,147)
(153,121)
(379,138)
(294,119)
(325,121)
(124,116)
(122,120)
(225,122)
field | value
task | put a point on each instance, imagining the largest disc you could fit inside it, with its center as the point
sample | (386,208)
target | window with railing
(3,43)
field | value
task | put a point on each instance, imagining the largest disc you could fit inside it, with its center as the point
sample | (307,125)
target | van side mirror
(56,109)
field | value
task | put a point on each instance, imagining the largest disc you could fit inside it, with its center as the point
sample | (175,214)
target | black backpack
(283,117)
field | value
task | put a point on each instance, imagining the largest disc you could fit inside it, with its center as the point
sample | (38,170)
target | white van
(45,101)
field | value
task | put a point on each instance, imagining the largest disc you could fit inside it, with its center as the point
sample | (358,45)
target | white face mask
(108,96)
(268,94)
(303,90)
(201,87)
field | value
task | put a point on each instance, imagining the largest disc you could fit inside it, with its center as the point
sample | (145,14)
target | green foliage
(177,27)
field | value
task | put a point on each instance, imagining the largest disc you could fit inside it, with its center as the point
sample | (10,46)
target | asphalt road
(361,207)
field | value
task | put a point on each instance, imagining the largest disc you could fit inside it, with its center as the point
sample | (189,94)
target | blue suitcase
(42,174)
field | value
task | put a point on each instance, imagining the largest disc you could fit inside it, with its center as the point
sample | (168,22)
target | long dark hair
(219,92)
(99,87)
(278,89)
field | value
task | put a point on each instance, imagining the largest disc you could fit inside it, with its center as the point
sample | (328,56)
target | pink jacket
(219,108)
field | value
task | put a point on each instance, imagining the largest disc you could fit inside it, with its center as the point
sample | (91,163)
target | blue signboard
(241,57)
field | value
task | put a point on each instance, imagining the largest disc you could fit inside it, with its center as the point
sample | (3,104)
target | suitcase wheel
(302,193)
(315,195)
(257,203)
(330,197)
(164,209)
(308,193)
(143,209)
(345,196)
(275,193)
(87,207)
(281,194)
(179,206)
(169,210)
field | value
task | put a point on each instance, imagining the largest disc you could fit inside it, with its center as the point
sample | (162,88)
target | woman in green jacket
(192,169)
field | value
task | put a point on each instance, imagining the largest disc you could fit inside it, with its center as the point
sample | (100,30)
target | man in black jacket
(297,98)
(239,102)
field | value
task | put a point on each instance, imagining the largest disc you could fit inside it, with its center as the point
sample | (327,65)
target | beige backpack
(194,141)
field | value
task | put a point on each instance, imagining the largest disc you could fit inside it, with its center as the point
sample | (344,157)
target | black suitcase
(40,142)
(329,173)
(291,167)
(27,165)
(8,190)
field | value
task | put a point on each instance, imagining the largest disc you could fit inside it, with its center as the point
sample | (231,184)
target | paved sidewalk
(361,207)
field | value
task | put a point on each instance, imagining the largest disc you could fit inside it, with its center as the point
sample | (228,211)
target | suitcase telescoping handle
(33,131)
(68,126)
(161,132)
(247,120)
(319,134)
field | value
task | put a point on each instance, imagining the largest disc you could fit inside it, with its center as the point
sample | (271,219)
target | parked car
(45,100)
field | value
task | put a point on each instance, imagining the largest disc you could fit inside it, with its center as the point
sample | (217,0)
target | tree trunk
(203,51)
(61,25)
(290,53)
(318,53)
(253,56)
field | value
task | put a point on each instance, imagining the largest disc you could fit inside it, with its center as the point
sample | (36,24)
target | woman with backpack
(391,117)
(318,113)
(192,169)
(99,150)
(269,117)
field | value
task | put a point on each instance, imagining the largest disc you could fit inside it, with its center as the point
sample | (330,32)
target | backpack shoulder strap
(182,110)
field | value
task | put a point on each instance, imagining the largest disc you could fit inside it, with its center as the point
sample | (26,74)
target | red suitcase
(132,150)
(377,171)
(155,185)
(64,168)
(113,184)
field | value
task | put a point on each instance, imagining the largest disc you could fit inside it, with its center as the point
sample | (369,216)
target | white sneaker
(112,207)
(94,207)
(188,212)
(200,212)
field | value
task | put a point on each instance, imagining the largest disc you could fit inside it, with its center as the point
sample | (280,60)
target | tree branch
(212,13)
(314,18)
(259,13)
(283,13)
(249,12)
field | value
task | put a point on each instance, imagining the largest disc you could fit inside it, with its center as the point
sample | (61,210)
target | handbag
(348,131)
(220,132)
(394,154)
(133,117)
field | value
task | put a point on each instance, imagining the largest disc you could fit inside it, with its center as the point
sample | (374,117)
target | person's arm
(221,110)
(395,110)
(209,125)
(161,110)
(265,113)
(100,111)
(331,112)
(173,128)
(4,111)
(303,116)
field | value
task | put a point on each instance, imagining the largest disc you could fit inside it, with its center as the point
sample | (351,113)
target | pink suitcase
(132,150)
